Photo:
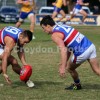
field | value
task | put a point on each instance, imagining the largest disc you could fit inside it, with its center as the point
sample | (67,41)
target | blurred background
(94,5)
(9,11)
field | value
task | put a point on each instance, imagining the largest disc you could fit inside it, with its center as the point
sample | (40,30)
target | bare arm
(9,44)
(58,39)
(21,55)
(85,4)
(82,3)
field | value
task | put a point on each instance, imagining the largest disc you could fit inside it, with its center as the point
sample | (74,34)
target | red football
(25,73)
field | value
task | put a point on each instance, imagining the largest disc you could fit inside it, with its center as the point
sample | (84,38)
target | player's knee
(85,15)
(65,15)
(14,62)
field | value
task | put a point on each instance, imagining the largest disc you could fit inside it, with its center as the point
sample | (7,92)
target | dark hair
(47,20)
(28,33)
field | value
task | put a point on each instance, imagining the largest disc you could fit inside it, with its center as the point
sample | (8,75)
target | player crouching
(9,38)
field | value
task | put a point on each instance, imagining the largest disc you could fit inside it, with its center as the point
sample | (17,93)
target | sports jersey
(73,39)
(59,3)
(27,7)
(10,31)
(78,4)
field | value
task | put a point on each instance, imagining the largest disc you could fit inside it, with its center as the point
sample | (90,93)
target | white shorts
(88,54)
(76,11)
(1,50)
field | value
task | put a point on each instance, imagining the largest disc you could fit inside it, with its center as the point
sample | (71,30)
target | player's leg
(93,60)
(84,14)
(22,16)
(77,61)
(31,17)
(63,14)
(72,70)
(18,24)
(16,68)
(73,14)
(1,55)
(55,12)
(90,55)
(12,61)
(94,65)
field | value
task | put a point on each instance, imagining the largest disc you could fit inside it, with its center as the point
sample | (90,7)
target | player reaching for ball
(70,40)
(9,38)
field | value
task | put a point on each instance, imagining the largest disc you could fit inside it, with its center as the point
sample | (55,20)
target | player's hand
(24,63)
(7,79)
(62,71)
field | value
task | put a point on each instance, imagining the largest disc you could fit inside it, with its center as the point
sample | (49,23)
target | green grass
(49,85)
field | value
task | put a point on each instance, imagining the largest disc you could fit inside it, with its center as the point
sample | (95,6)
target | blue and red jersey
(73,39)
(10,31)
(78,4)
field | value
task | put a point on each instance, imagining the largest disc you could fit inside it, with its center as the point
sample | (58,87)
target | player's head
(47,24)
(25,37)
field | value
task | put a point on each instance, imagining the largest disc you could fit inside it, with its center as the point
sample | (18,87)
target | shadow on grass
(49,83)
(18,84)
(43,40)
(42,84)
(46,40)
(38,84)
(91,86)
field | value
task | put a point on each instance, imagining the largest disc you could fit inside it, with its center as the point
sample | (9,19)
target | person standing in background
(27,7)
(78,9)
(57,9)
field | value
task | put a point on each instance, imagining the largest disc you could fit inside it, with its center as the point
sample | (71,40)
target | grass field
(44,56)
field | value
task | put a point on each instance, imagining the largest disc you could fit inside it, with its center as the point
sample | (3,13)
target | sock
(77,81)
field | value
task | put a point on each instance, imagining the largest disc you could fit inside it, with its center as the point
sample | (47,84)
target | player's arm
(85,4)
(9,44)
(82,3)
(58,39)
(21,55)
